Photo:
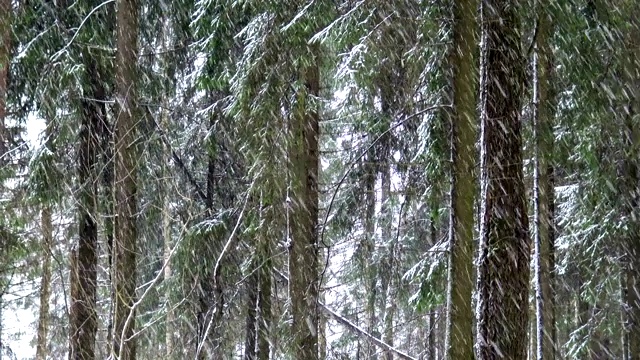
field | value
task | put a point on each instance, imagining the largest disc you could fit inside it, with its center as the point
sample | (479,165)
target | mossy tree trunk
(459,338)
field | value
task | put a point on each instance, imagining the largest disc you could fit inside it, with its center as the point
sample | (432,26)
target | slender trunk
(5,56)
(503,284)
(264,301)
(432,234)
(166,231)
(125,180)
(439,334)
(45,283)
(170,317)
(251,317)
(624,338)
(459,332)
(166,218)
(322,320)
(370,268)
(388,320)
(303,252)
(388,268)
(106,206)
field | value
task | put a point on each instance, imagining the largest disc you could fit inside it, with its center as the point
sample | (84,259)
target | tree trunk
(252,314)
(544,109)
(322,320)
(83,317)
(264,301)
(430,346)
(459,334)
(125,178)
(387,269)
(166,232)
(170,317)
(45,283)
(370,268)
(6,14)
(303,252)
(503,284)
(166,219)
(624,336)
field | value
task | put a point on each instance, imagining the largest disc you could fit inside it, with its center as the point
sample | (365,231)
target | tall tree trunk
(45,283)
(303,252)
(106,205)
(125,180)
(543,188)
(387,268)
(370,268)
(503,284)
(6,14)
(83,317)
(168,243)
(459,334)
(168,270)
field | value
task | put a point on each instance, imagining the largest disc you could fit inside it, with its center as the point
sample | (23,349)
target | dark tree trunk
(544,109)
(83,318)
(503,284)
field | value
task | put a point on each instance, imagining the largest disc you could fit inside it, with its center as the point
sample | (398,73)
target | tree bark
(544,234)
(251,315)
(388,264)
(168,270)
(45,283)
(303,252)
(264,301)
(170,318)
(83,317)
(459,332)
(503,283)
(5,58)
(125,180)
(369,267)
